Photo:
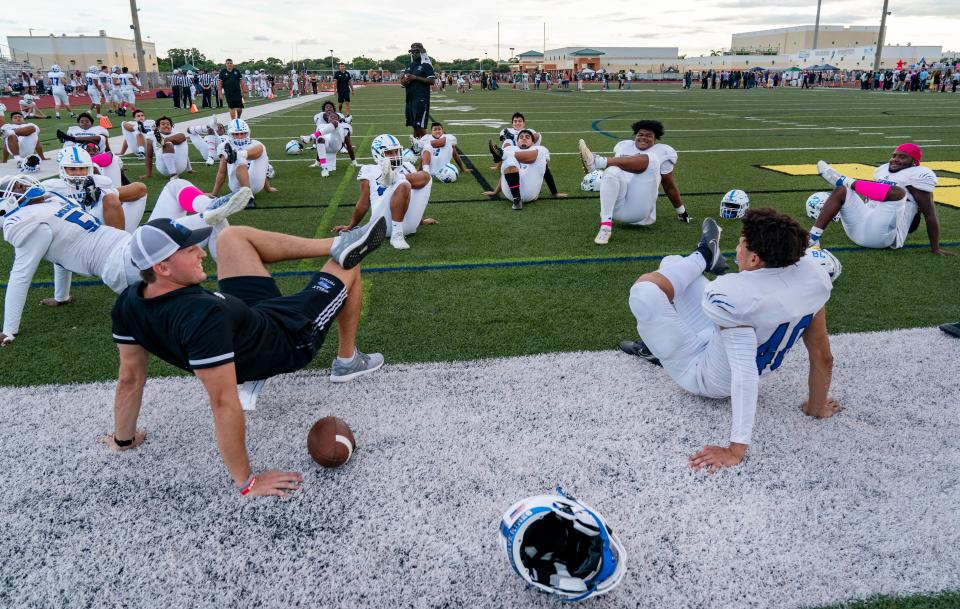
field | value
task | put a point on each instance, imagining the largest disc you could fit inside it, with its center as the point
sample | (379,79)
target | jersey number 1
(770,354)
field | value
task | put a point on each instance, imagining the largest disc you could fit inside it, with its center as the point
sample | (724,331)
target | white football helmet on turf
(293,147)
(815,204)
(562,546)
(591,181)
(73,157)
(734,204)
(238,126)
(271,172)
(384,143)
(828,261)
(448,173)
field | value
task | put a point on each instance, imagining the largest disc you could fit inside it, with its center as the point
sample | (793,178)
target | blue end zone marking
(595,125)
(497,265)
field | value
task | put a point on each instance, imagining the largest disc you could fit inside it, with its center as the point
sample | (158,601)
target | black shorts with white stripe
(418,113)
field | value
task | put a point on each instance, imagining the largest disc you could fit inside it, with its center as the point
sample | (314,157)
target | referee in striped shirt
(206,86)
(176,83)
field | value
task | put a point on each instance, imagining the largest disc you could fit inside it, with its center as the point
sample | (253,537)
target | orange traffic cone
(270,96)
(193,109)
(105,122)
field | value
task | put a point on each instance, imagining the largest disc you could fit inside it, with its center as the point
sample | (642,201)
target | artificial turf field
(488,282)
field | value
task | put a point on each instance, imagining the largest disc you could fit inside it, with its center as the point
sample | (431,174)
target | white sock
(681,273)
(600,162)
(140,150)
(609,193)
(397,229)
(348,359)
(170,161)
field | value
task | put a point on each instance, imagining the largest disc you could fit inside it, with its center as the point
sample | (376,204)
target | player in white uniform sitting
(632,178)
(58,88)
(92,81)
(136,134)
(881,213)
(48,226)
(28,106)
(21,140)
(169,151)
(243,162)
(331,135)
(85,132)
(508,137)
(522,169)
(439,149)
(717,338)
(393,189)
(207,139)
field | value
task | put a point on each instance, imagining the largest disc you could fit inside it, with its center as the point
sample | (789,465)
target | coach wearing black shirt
(418,78)
(247,331)
(231,87)
(344,87)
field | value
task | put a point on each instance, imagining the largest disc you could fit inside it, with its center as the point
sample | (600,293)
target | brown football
(330,442)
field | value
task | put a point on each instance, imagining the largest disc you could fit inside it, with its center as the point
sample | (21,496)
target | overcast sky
(292,29)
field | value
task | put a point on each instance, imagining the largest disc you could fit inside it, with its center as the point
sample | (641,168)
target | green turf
(465,312)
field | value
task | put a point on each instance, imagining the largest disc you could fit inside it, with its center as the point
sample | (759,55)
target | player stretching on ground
(882,213)
(243,162)
(169,151)
(246,331)
(716,339)
(22,141)
(439,149)
(632,178)
(394,190)
(522,170)
(508,137)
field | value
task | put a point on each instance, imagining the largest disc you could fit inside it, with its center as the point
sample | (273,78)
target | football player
(243,162)
(331,135)
(207,139)
(58,88)
(85,132)
(115,97)
(136,134)
(508,137)
(127,88)
(440,148)
(48,226)
(106,85)
(881,213)
(718,338)
(92,80)
(393,189)
(294,84)
(22,140)
(168,150)
(346,130)
(28,106)
(522,171)
(632,178)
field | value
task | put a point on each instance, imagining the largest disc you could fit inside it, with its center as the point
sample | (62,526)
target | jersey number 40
(770,353)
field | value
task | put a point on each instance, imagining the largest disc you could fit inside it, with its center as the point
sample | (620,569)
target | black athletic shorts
(343,96)
(418,113)
(302,318)
(234,102)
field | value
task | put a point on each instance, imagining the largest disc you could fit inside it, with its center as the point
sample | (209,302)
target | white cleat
(223,207)
(398,242)
(315,164)
(355,163)
(831,175)
(306,139)
(603,236)
(587,157)
(324,173)
(210,161)
(415,145)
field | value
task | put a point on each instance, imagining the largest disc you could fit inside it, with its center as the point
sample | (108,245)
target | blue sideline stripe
(459,266)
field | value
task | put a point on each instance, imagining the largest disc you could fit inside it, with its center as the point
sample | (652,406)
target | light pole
(816,26)
(331,63)
(484,60)
(511,54)
(883,28)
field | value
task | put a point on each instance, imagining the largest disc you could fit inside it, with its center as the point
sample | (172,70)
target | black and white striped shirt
(205,79)
(179,80)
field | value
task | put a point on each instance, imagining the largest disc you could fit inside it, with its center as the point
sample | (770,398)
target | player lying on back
(717,338)
(246,331)
(438,150)
(21,140)
(508,137)
(392,189)
(42,225)
(630,180)
(880,213)
(240,151)
(522,171)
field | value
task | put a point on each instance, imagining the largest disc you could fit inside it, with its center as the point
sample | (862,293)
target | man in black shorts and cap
(230,85)
(344,82)
(247,331)
(417,79)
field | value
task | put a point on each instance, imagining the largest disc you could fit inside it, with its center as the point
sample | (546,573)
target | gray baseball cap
(159,239)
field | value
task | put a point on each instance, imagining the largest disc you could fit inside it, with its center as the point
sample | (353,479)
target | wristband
(123,443)
(248,485)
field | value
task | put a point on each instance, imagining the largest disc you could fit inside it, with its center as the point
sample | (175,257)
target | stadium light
(880,37)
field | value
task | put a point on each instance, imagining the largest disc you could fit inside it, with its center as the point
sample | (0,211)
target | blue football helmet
(384,143)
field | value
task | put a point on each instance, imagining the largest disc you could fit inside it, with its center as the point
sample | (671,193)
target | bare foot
(428,221)
(53,302)
(270,189)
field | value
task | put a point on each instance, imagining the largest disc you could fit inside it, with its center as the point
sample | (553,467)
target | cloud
(308,41)
(262,39)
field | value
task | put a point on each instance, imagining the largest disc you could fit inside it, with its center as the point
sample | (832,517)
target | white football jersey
(126,80)
(94,130)
(372,172)
(778,304)
(105,81)
(510,134)
(666,156)
(91,79)
(919,177)
(57,80)
(68,190)
(80,242)
(442,155)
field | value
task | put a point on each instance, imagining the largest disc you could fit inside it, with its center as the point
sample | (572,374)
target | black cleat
(496,151)
(229,153)
(709,247)
(141,128)
(636,347)
(952,329)
(158,136)
(251,204)
(685,217)
(63,137)
(517,205)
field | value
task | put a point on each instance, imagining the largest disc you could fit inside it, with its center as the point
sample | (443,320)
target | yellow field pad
(948,196)
(860,171)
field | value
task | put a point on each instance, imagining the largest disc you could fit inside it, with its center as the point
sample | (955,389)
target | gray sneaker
(709,247)
(361,364)
(351,247)
(223,207)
